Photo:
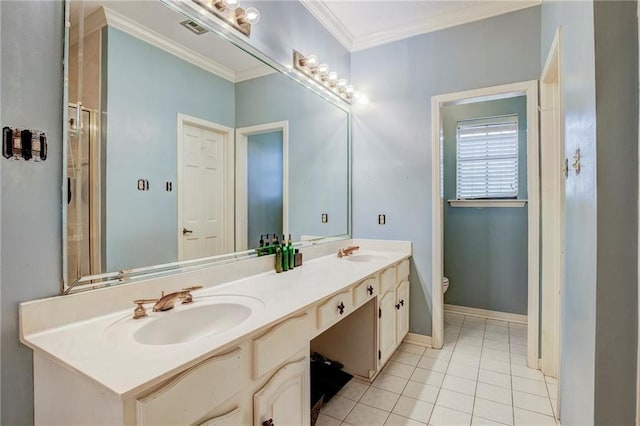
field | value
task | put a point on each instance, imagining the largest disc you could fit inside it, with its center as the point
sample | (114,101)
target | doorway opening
(530,92)
(262,182)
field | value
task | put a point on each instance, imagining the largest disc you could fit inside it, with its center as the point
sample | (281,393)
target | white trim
(228,227)
(478,204)
(251,73)
(530,90)
(485,313)
(418,339)
(328,20)
(135,29)
(552,196)
(242,135)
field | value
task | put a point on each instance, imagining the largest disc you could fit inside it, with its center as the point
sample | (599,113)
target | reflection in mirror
(183,146)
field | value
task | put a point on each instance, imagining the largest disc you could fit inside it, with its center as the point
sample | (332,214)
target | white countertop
(104,350)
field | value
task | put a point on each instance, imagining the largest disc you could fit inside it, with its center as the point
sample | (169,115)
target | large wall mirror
(183,146)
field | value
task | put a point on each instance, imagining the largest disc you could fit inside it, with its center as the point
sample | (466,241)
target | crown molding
(255,72)
(134,29)
(335,26)
(440,22)
(478,12)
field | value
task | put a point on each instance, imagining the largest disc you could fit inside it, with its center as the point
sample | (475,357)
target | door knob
(186,231)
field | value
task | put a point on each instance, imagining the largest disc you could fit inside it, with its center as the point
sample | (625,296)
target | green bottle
(292,254)
(267,247)
(285,255)
(278,256)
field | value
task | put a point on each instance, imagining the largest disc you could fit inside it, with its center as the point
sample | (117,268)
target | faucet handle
(195,287)
(187,297)
(140,311)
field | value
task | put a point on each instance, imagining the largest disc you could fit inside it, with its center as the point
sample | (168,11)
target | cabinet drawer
(365,291)
(333,309)
(403,271)
(278,344)
(388,279)
(191,394)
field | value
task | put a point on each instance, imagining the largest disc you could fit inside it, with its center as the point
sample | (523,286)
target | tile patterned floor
(478,378)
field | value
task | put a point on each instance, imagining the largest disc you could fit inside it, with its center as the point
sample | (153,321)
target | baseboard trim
(418,339)
(485,313)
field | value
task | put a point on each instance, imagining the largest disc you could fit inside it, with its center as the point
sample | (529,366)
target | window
(487,158)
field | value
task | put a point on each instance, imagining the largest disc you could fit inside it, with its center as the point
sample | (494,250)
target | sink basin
(189,323)
(366,258)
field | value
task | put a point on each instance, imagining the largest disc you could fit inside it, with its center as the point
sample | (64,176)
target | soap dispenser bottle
(285,255)
(292,253)
(278,256)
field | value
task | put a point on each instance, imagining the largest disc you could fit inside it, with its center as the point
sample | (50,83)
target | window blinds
(487,158)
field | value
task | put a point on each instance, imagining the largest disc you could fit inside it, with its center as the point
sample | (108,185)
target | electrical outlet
(143,185)
(325,218)
(381,219)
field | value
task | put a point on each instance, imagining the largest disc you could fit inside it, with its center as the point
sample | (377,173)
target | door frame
(552,196)
(228,177)
(530,90)
(242,206)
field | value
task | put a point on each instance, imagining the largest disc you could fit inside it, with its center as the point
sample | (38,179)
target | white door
(202,188)
(402,311)
(284,400)
(387,327)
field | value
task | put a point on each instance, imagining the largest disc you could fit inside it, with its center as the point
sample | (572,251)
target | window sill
(487,203)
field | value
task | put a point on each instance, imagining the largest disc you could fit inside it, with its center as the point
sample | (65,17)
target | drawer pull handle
(402,302)
(398,306)
(268,423)
(341,308)
(370,290)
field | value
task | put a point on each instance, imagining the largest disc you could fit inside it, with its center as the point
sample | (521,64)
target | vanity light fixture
(311,66)
(231,13)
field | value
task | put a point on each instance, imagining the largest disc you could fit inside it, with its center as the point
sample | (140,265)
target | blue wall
(30,97)
(392,135)
(147,87)
(318,182)
(264,186)
(485,249)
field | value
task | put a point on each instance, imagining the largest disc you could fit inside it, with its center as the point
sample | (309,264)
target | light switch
(325,218)
(381,219)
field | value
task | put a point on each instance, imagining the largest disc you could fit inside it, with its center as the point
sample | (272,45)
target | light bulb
(342,83)
(349,89)
(333,76)
(323,69)
(356,94)
(231,4)
(312,61)
(252,15)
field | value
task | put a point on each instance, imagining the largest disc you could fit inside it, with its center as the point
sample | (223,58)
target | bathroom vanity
(237,355)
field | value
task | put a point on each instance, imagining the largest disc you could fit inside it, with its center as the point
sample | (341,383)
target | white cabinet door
(232,418)
(402,311)
(386,327)
(284,400)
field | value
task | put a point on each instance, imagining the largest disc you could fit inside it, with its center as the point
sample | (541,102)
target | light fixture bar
(236,17)
(311,66)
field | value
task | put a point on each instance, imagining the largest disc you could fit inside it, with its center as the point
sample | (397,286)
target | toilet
(445,284)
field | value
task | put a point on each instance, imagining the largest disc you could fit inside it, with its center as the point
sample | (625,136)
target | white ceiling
(360,24)
(157,24)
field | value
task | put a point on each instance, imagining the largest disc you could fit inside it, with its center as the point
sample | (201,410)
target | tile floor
(478,378)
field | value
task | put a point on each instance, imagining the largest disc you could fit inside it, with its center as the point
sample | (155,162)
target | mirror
(182,146)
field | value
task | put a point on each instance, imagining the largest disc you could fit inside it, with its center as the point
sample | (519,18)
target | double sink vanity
(238,354)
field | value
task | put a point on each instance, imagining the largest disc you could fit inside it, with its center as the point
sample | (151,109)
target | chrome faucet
(347,251)
(166,302)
